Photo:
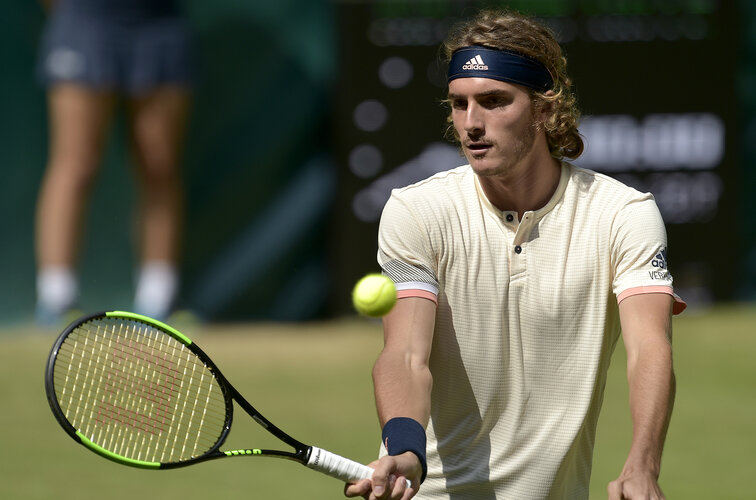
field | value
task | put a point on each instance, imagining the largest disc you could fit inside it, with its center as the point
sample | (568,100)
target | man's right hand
(388,481)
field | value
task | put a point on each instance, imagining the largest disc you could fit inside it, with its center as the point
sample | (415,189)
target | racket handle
(339,467)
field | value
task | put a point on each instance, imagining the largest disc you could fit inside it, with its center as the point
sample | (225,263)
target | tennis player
(516,274)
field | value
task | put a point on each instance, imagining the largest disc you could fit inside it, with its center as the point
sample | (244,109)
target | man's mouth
(478,147)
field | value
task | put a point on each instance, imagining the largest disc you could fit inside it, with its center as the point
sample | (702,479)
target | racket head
(137,391)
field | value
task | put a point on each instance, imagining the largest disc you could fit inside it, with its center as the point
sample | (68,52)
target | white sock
(57,289)
(156,289)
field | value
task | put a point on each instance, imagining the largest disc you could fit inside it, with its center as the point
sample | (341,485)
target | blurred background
(307,113)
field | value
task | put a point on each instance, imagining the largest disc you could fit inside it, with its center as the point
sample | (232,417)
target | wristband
(402,434)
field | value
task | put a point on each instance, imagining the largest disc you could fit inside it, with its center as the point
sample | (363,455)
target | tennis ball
(374,295)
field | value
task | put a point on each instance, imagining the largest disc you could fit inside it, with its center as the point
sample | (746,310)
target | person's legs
(78,124)
(158,121)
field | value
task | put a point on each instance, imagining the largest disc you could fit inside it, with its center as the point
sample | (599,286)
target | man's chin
(485,167)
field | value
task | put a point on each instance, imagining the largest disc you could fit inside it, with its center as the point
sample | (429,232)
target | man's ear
(545,107)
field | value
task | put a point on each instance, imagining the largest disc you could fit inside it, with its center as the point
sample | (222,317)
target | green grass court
(313,380)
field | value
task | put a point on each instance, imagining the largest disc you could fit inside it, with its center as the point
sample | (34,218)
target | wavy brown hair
(508,30)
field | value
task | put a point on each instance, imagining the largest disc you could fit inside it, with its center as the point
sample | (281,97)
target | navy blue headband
(482,62)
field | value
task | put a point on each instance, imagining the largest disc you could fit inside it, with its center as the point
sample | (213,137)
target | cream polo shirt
(527,320)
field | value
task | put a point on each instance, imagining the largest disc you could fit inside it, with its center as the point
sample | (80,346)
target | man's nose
(474,124)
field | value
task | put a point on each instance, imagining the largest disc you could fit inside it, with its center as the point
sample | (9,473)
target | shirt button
(518,249)
(510,217)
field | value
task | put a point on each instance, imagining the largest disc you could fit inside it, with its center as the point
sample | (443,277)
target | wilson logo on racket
(154,388)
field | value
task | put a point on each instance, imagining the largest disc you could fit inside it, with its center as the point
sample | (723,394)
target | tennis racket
(140,393)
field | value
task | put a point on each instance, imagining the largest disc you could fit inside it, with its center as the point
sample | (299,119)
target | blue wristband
(402,434)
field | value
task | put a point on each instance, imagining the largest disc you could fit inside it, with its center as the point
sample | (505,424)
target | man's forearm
(402,389)
(652,391)
(401,375)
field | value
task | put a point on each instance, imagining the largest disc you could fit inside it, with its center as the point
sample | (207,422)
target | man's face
(494,122)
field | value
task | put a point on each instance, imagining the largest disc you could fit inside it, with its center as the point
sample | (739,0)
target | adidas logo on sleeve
(660,263)
(475,63)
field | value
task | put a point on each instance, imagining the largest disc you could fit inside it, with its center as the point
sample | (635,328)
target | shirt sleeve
(405,252)
(639,252)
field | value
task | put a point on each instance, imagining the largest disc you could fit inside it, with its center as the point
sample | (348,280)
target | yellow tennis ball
(374,295)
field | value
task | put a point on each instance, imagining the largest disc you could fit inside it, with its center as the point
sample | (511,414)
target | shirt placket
(518,241)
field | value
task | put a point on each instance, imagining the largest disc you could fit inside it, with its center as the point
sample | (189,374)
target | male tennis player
(516,274)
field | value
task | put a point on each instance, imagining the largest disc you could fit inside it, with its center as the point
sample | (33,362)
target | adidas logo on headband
(475,63)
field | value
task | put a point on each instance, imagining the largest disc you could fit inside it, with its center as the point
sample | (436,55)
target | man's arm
(402,382)
(401,375)
(647,334)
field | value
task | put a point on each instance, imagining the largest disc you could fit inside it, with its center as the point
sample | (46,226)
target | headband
(503,65)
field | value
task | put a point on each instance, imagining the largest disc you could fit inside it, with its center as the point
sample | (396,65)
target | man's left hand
(637,485)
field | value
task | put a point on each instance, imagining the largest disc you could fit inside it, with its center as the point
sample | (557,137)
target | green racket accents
(114,457)
(236,453)
(144,319)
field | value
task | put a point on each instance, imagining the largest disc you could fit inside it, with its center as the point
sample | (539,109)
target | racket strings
(138,392)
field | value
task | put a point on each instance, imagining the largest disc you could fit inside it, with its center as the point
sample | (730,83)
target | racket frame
(301,451)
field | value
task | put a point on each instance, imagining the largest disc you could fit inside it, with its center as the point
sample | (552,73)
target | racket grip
(339,467)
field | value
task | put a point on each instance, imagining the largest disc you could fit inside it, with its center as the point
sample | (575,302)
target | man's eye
(496,102)
(458,104)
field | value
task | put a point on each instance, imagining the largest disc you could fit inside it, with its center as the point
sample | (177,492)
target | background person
(95,54)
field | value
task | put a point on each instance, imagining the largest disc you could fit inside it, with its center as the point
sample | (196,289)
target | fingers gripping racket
(140,393)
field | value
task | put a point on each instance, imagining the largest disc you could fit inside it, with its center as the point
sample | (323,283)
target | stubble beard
(507,164)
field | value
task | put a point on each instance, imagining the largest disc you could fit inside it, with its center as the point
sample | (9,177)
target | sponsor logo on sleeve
(659,264)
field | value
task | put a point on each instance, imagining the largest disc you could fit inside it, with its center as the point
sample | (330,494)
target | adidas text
(475,66)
